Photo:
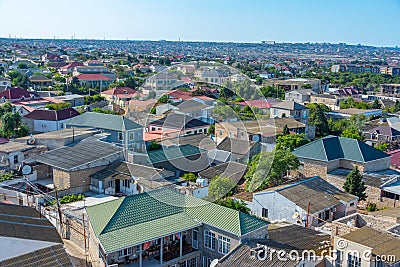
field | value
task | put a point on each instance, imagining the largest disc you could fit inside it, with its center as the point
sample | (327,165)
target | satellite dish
(214,263)
(26,170)
(296,215)
(255,138)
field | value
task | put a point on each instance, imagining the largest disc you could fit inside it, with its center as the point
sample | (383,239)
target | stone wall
(373,193)
(353,222)
(314,168)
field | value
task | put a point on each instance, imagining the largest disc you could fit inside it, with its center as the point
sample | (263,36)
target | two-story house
(290,109)
(119,129)
(165,228)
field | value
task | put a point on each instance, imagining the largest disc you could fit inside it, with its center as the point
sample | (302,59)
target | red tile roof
(395,157)
(16,93)
(52,115)
(120,92)
(93,77)
(179,94)
(72,65)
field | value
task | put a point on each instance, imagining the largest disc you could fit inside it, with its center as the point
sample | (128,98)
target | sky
(367,22)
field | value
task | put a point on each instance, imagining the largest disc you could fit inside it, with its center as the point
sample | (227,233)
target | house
(329,153)
(382,187)
(179,95)
(262,104)
(128,178)
(263,131)
(299,96)
(233,170)
(290,109)
(74,100)
(178,159)
(119,95)
(4,83)
(382,134)
(296,84)
(190,108)
(93,80)
(41,121)
(331,101)
(29,239)
(212,75)
(163,228)
(140,105)
(69,68)
(348,112)
(16,94)
(162,81)
(181,122)
(40,81)
(375,247)
(284,247)
(240,150)
(60,138)
(310,202)
(119,129)
(13,154)
(71,166)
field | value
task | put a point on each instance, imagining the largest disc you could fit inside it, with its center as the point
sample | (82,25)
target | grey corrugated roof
(231,169)
(333,148)
(381,243)
(124,170)
(316,191)
(289,105)
(103,121)
(75,157)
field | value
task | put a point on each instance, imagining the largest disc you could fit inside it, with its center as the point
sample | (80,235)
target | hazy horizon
(368,22)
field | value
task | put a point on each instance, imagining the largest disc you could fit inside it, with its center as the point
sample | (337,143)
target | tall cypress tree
(355,185)
(286,130)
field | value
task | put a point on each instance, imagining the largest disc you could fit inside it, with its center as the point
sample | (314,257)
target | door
(117,186)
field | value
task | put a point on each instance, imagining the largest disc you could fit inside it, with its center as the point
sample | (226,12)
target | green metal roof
(132,220)
(334,147)
(103,121)
(173,152)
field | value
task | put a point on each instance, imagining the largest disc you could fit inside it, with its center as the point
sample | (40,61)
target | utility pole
(308,213)
(84,237)
(59,214)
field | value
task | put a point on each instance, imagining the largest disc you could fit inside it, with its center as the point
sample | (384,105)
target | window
(189,263)
(110,183)
(206,262)
(351,204)
(195,238)
(353,260)
(264,213)
(15,159)
(124,252)
(126,183)
(339,256)
(131,136)
(224,244)
(120,136)
(209,240)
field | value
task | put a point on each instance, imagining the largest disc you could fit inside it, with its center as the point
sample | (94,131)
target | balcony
(151,256)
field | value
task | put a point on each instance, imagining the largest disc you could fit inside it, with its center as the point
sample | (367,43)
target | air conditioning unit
(334,209)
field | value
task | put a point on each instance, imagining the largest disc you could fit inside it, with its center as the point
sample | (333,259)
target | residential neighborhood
(121,149)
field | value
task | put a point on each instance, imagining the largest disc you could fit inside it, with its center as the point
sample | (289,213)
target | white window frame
(195,243)
(224,244)
(209,236)
(125,252)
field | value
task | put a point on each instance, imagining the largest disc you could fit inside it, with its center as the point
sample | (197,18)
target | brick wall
(74,182)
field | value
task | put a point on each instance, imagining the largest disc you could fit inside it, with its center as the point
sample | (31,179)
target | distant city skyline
(365,22)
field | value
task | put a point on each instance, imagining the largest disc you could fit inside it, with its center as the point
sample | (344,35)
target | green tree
(381,146)
(269,168)
(317,118)
(354,184)
(352,132)
(189,176)
(163,99)
(291,141)
(238,205)
(58,106)
(211,130)
(285,130)
(221,187)
(376,104)
(22,65)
